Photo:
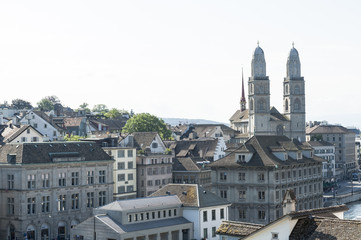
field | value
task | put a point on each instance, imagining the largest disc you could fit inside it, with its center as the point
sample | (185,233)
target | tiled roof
(262,154)
(202,147)
(72,122)
(185,164)
(142,140)
(239,116)
(15,132)
(318,211)
(192,195)
(327,129)
(113,124)
(319,228)
(238,229)
(30,153)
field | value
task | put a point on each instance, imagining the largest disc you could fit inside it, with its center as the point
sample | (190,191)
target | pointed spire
(243,98)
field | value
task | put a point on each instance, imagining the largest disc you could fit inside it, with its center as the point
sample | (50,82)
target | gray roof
(320,144)
(327,129)
(202,147)
(142,140)
(12,133)
(185,164)
(142,225)
(143,203)
(239,116)
(239,229)
(261,147)
(192,195)
(30,153)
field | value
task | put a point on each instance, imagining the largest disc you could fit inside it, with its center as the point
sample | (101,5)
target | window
(35,125)
(205,233)
(34,139)
(214,231)
(90,179)
(54,133)
(130,153)
(241,158)
(149,183)
(31,181)
(31,205)
(23,139)
(157,182)
(223,176)
(62,203)
(289,174)
(45,180)
(121,165)
(130,165)
(11,181)
(121,189)
(102,198)
(223,193)
(75,201)
(130,188)
(277,195)
(149,171)
(277,176)
(205,216)
(242,194)
(222,213)
(121,177)
(45,204)
(274,236)
(102,176)
(75,178)
(27,131)
(261,215)
(154,145)
(121,154)
(242,176)
(242,213)
(45,125)
(261,195)
(62,179)
(90,199)
(11,206)
(260,176)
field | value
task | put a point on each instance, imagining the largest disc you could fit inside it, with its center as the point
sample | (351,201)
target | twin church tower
(262,119)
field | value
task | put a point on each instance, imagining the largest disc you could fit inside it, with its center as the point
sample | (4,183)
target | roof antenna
(293,44)
(258,43)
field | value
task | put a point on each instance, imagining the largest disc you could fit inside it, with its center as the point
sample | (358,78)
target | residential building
(321,223)
(204,209)
(77,126)
(262,119)
(154,161)
(255,176)
(49,126)
(326,151)
(344,141)
(46,188)
(125,172)
(191,171)
(150,218)
(19,134)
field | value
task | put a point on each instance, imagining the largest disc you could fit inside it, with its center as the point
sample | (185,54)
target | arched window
(30,232)
(286,105)
(279,130)
(11,232)
(297,89)
(251,104)
(297,105)
(286,90)
(261,105)
(44,232)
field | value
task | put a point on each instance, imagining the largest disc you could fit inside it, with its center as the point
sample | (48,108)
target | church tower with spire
(294,97)
(243,98)
(258,96)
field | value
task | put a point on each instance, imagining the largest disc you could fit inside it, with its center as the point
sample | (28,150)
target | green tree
(101,108)
(84,106)
(145,122)
(21,104)
(72,137)
(115,113)
(47,103)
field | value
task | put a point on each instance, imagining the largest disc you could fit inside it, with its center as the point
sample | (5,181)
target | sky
(180,59)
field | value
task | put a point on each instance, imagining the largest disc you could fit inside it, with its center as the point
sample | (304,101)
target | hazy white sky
(179,58)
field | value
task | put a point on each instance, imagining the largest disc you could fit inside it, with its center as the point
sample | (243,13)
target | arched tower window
(297,105)
(286,105)
(286,91)
(261,105)
(251,104)
(297,89)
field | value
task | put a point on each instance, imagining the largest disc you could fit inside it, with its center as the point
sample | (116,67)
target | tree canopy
(21,104)
(101,108)
(145,122)
(115,113)
(47,103)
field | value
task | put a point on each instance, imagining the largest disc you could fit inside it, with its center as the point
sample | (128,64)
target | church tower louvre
(294,97)
(258,96)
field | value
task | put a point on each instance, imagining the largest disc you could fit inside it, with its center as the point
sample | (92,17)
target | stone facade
(255,177)
(46,188)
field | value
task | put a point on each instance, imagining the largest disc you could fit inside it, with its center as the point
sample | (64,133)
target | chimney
(289,202)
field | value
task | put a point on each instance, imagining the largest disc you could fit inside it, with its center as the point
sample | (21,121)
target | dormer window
(299,155)
(241,158)
(154,145)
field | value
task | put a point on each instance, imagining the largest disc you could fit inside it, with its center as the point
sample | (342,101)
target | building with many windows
(46,188)
(154,161)
(255,177)
(153,218)
(125,172)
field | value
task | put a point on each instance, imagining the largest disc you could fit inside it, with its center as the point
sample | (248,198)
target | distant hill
(176,121)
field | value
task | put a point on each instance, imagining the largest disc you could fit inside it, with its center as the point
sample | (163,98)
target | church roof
(239,116)
(276,115)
